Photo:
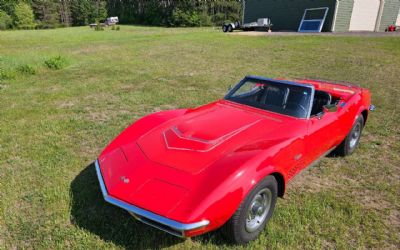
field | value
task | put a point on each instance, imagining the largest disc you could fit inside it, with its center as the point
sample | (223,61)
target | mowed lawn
(54,123)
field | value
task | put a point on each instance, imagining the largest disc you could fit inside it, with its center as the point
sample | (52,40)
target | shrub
(27,69)
(205,19)
(56,63)
(99,26)
(6,74)
(115,27)
(189,18)
(43,25)
(23,16)
(5,21)
(184,18)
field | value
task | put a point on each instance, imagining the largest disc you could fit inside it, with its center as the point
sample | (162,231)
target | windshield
(278,97)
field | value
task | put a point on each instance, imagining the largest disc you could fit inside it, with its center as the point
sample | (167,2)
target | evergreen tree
(175,12)
(51,13)
(65,13)
(8,6)
(84,12)
(47,12)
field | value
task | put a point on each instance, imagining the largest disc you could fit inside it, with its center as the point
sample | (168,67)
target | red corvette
(190,171)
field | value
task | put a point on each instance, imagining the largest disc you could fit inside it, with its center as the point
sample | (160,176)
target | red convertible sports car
(191,171)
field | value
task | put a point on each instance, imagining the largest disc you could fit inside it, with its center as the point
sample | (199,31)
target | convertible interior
(284,99)
(321,98)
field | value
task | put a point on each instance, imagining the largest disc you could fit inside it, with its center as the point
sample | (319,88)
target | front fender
(225,198)
(142,126)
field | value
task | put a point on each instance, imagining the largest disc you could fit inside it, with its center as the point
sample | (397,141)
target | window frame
(274,81)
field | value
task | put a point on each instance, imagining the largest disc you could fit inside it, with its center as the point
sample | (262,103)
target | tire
(230,28)
(241,228)
(224,28)
(350,143)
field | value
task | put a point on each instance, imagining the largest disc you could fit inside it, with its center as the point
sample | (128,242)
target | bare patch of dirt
(98,116)
(103,116)
(93,49)
(312,180)
(163,107)
(394,218)
(66,104)
(370,200)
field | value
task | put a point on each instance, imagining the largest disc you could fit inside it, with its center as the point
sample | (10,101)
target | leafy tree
(23,16)
(5,20)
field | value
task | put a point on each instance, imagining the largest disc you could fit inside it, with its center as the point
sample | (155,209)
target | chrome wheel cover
(258,210)
(355,135)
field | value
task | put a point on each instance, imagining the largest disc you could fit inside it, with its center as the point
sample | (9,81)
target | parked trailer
(109,21)
(112,20)
(262,23)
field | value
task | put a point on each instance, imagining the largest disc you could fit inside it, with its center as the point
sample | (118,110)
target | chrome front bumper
(147,217)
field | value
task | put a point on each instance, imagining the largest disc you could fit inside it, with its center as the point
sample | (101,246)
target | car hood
(195,140)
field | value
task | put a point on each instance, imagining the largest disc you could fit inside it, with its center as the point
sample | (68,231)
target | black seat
(321,98)
(273,96)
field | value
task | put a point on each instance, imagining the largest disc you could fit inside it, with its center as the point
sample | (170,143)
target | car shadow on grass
(90,212)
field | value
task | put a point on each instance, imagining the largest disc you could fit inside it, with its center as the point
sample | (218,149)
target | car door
(322,134)
(296,151)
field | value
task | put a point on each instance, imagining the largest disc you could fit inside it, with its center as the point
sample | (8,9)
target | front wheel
(250,218)
(352,139)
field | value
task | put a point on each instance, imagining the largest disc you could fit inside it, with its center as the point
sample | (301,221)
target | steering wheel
(294,104)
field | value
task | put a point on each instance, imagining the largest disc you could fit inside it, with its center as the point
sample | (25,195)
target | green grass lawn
(54,123)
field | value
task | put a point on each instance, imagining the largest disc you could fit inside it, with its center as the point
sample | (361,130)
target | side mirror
(330,108)
(327,109)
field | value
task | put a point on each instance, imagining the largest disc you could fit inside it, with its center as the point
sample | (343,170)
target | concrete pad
(291,33)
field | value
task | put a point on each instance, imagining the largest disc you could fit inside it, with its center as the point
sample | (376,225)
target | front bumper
(170,226)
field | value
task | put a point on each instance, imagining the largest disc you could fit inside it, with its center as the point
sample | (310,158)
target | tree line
(29,14)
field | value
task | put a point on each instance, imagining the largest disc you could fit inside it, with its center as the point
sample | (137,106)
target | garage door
(364,15)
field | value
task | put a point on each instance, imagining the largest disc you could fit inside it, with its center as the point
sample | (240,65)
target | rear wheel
(352,139)
(253,214)
(224,28)
(230,28)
